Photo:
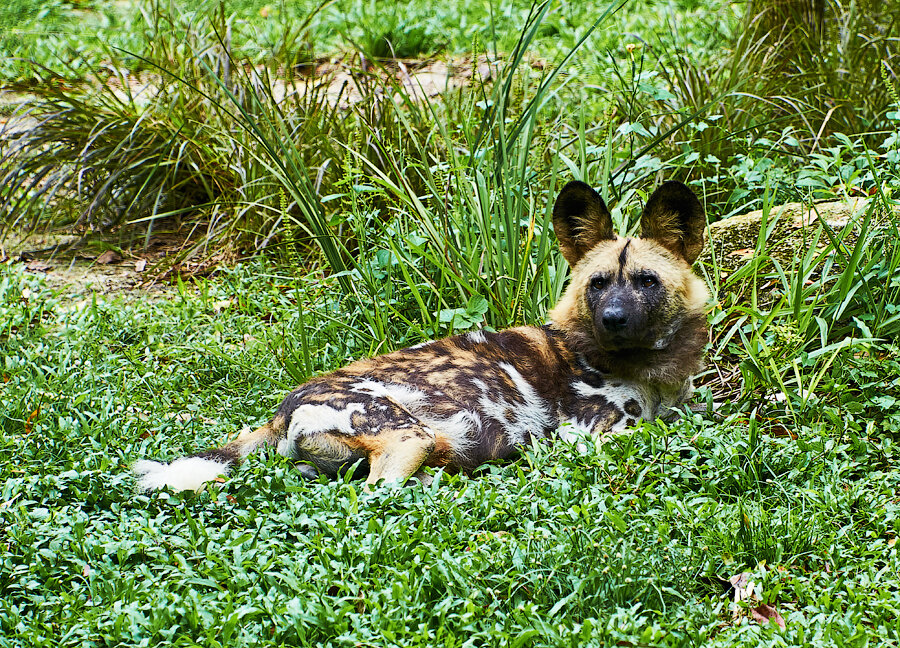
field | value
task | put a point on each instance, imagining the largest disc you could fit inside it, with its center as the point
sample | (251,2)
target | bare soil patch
(103,265)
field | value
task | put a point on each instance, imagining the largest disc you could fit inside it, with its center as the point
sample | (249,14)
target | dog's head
(630,294)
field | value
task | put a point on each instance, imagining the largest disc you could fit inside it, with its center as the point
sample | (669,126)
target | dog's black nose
(614,319)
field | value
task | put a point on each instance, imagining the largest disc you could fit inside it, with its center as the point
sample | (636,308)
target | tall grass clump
(169,143)
(467,233)
(795,324)
(785,89)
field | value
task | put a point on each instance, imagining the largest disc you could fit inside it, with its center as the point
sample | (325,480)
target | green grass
(73,36)
(396,221)
(613,93)
(620,545)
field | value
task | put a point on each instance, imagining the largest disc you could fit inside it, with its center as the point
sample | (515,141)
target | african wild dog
(622,344)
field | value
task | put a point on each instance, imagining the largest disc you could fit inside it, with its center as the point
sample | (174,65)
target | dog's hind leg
(396,454)
(191,473)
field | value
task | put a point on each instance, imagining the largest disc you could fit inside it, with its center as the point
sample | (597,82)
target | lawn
(627,543)
(312,231)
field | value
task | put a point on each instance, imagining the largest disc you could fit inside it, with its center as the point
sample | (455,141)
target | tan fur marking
(604,426)
(250,440)
(396,455)
(442,454)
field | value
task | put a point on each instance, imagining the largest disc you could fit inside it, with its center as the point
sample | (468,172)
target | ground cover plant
(624,543)
(389,220)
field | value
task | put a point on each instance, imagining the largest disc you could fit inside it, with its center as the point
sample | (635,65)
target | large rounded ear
(675,218)
(581,220)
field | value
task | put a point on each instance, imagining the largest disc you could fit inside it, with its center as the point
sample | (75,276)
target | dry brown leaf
(29,423)
(762,614)
(140,265)
(744,588)
(780,431)
(37,265)
(110,256)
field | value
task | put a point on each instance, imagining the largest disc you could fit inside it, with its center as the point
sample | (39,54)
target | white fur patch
(310,419)
(617,396)
(477,337)
(586,391)
(459,430)
(575,431)
(408,397)
(624,393)
(189,473)
(532,416)
(571,429)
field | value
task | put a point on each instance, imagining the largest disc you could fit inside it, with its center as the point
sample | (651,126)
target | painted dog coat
(621,345)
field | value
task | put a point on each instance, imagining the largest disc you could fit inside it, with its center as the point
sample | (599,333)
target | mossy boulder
(791,229)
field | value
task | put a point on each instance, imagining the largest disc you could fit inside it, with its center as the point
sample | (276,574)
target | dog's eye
(598,283)
(648,281)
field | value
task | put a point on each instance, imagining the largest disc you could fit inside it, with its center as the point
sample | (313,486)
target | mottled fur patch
(621,345)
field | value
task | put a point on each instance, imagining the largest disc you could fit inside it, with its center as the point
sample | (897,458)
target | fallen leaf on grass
(140,265)
(744,590)
(779,431)
(38,266)
(762,614)
(108,257)
(29,422)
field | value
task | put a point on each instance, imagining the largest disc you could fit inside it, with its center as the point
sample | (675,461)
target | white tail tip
(189,473)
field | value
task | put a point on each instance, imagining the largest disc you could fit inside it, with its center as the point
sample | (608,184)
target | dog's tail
(191,473)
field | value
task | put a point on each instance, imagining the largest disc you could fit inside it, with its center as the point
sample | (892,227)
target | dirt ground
(79,265)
